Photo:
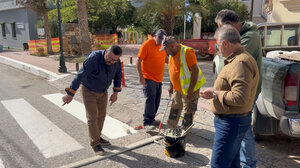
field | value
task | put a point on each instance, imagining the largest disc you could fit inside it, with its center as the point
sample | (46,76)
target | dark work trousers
(152,92)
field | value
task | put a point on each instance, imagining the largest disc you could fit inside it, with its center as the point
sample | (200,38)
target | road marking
(112,128)
(1,164)
(47,137)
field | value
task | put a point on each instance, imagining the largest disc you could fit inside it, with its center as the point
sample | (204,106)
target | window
(13,29)
(290,36)
(273,36)
(3,29)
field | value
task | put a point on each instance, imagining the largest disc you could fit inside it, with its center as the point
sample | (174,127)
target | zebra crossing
(49,139)
(1,164)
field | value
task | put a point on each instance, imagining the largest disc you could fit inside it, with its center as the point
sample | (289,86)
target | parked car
(204,47)
(278,105)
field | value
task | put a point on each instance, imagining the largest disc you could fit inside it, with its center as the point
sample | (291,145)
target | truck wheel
(263,125)
(255,117)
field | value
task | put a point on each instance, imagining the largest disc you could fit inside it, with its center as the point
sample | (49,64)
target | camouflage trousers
(179,102)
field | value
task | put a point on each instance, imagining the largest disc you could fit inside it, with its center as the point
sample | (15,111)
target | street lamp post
(62,67)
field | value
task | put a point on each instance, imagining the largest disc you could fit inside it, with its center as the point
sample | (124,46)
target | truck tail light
(290,89)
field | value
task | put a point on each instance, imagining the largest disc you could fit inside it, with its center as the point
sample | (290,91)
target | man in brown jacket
(231,98)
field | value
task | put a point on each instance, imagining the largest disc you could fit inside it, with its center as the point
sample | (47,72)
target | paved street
(19,148)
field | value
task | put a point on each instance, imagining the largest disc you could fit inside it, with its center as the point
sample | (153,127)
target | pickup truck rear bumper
(290,125)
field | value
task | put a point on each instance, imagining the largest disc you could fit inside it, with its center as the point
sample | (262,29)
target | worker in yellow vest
(186,79)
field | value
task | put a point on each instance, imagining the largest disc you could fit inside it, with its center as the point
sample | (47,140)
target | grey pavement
(130,105)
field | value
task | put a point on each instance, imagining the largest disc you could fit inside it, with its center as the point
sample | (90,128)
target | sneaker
(104,142)
(149,127)
(99,150)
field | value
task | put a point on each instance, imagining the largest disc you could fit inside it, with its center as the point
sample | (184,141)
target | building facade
(283,10)
(258,10)
(17,24)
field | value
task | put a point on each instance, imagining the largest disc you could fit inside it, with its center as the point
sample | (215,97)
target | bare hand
(142,80)
(67,99)
(113,98)
(207,93)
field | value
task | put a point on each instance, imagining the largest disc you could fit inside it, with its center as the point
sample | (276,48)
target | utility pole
(251,10)
(171,29)
(62,67)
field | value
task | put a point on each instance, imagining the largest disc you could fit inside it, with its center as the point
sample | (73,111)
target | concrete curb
(31,69)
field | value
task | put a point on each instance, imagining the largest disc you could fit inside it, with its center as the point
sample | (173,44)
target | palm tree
(86,46)
(40,7)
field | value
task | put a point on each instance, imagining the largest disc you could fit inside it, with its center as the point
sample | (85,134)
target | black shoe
(155,123)
(104,142)
(99,150)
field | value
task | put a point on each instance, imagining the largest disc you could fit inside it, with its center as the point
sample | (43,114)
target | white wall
(285,11)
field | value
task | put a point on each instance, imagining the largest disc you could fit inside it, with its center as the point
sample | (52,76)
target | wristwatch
(214,95)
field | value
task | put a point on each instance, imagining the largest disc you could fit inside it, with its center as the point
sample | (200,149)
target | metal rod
(94,159)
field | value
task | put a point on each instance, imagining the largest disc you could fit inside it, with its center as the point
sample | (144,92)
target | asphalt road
(19,149)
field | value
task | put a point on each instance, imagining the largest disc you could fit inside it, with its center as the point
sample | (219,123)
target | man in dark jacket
(250,39)
(96,75)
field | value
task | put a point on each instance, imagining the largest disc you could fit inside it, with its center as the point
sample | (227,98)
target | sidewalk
(47,66)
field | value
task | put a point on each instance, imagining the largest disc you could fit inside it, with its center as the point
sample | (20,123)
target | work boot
(104,142)
(155,123)
(99,150)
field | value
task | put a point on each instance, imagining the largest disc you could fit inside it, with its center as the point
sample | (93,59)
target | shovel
(162,120)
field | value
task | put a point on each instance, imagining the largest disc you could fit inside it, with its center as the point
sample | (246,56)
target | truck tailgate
(273,73)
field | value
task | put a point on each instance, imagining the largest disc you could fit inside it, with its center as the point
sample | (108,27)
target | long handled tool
(162,120)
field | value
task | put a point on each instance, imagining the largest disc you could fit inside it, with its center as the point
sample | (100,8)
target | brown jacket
(236,84)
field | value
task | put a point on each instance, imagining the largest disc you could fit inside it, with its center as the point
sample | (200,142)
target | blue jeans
(227,142)
(247,152)
(152,92)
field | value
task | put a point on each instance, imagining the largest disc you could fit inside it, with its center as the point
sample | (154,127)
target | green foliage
(155,14)
(68,11)
(39,24)
(148,24)
(52,24)
(110,13)
(53,27)
(101,13)
(238,7)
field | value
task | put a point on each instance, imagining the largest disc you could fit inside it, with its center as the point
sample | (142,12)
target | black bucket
(174,140)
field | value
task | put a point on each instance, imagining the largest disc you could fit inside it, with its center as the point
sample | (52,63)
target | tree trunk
(47,33)
(85,42)
(251,11)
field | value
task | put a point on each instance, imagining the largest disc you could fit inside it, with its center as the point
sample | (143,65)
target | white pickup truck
(277,107)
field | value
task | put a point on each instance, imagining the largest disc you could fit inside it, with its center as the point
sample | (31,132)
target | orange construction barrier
(103,41)
(123,76)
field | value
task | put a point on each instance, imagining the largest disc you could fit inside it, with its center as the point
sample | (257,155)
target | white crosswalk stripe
(1,164)
(112,128)
(47,137)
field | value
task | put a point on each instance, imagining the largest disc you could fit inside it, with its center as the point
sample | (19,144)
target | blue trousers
(247,152)
(152,92)
(227,142)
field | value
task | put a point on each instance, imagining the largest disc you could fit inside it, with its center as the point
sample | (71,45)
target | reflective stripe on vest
(185,74)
